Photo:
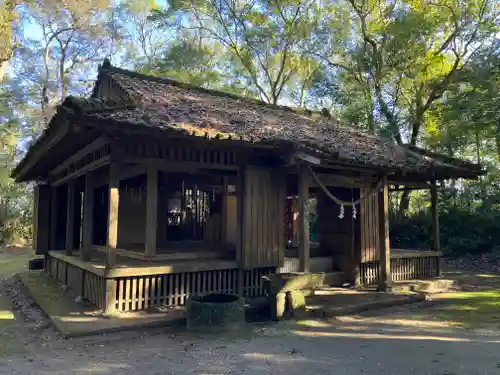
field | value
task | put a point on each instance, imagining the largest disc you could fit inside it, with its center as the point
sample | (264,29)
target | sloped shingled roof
(168,105)
(172,105)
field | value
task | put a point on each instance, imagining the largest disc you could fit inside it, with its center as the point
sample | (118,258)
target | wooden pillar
(385,279)
(436,237)
(240,258)
(356,239)
(70,218)
(161,229)
(151,212)
(88,208)
(223,218)
(110,298)
(54,199)
(304,249)
(113,201)
(41,226)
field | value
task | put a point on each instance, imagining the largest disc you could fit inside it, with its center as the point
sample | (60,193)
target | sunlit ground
(471,309)
(12,261)
(9,329)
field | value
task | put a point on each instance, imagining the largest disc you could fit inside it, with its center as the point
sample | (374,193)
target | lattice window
(189,207)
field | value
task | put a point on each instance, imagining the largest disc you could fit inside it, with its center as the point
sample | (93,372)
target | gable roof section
(167,105)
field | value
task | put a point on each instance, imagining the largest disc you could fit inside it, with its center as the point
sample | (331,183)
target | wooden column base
(384,286)
(110,297)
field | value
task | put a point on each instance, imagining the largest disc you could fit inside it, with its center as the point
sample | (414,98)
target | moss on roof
(167,105)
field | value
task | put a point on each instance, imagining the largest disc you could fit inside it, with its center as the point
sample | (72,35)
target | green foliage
(412,70)
(264,42)
(463,229)
(187,62)
(15,205)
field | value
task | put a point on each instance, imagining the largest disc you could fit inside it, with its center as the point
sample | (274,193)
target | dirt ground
(416,339)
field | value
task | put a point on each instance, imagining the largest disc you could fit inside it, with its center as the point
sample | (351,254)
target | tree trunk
(450,153)
(404,204)
(478,155)
(497,139)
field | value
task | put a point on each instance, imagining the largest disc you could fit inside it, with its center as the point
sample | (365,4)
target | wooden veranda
(152,190)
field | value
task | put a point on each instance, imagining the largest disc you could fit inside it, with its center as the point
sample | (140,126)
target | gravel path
(403,340)
(381,343)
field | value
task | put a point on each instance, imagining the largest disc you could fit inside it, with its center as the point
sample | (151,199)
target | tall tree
(407,53)
(73,37)
(15,203)
(143,38)
(264,39)
(8,18)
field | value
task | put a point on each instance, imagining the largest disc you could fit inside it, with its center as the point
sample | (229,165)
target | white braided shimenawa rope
(339,201)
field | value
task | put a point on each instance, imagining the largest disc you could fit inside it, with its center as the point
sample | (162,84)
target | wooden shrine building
(152,190)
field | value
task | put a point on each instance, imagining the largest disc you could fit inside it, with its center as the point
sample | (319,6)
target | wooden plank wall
(263,241)
(369,221)
(369,227)
(337,236)
(212,229)
(131,217)
(41,230)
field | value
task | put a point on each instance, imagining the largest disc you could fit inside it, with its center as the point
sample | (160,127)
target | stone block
(277,303)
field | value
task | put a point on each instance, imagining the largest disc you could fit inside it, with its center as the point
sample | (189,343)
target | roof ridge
(104,68)
(93,105)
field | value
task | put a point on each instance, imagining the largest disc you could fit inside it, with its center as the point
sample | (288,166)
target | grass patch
(471,309)
(14,261)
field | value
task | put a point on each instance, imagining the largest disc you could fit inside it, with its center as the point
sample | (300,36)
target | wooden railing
(82,282)
(405,265)
(145,291)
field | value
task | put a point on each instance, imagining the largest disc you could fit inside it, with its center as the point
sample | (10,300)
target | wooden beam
(70,218)
(299,157)
(151,212)
(408,188)
(114,201)
(304,248)
(153,269)
(85,170)
(436,236)
(132,171)
(337,180)
(385,279)
(99,142)
(88,210)
(178,166)
(40,148)
(126,171)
